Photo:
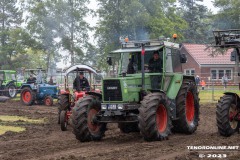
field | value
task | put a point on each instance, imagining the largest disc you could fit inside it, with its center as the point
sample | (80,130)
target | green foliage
(137,19)
(10,19)
(228,16)
(198,19)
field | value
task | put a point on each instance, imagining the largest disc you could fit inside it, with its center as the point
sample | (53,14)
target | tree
(59,24)
(10,20)
(72,28)
(137,19)
(197,17)
(228,15)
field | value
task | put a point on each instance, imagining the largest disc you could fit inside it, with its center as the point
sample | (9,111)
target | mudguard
(235,95)
(97,94)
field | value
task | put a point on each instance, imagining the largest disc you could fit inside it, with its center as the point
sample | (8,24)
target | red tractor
(228,107)
(67,99)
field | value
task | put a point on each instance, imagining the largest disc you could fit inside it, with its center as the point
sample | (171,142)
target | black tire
(48,101)
(187,108)
(28,96)
(81,119)
(225,107)
(64,102)
(11,90)
(154,117)
(63,120)
(128,127)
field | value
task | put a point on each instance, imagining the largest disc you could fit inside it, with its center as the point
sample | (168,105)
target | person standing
(225,81)
(203,84)
(197,80)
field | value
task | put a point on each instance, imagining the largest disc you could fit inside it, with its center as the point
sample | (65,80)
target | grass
(12,120)
(212,96)
(4,129)
(19,118)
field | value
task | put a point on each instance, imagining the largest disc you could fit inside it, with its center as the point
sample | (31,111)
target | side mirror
(183,58)
(233,56)
(109,61)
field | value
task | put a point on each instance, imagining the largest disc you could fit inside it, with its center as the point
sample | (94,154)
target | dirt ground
(47,141)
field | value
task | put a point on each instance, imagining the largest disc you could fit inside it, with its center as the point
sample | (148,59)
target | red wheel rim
(232,113)
(27,96)
(48,101)
(190,107)
(92,126)
(161,118)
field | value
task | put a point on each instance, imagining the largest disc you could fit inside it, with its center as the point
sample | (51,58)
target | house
(208,68)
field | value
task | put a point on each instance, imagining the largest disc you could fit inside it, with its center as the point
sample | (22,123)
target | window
(217,74)
(214,74)
(189,72)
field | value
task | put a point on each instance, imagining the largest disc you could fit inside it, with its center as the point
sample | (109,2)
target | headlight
(120,106)
(103,106)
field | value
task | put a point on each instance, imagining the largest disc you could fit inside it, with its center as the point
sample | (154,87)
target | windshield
(131,62)
(1,76)
(10,76)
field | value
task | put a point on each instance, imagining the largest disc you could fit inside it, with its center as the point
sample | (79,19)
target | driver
(81,83)
(31,79)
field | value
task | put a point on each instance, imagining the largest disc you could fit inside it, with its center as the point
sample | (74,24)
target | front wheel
(225,114)
(11,91)
(63,120)
(154,117)
(48,101)
(83,119)
(187,108)
(28,96)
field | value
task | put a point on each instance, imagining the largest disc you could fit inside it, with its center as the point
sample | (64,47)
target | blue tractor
(38,92)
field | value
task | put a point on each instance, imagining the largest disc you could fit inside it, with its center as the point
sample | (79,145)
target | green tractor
(9,83)
(138,99)
(228,107)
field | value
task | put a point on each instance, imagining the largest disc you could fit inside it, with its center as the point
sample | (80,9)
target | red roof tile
(202,56)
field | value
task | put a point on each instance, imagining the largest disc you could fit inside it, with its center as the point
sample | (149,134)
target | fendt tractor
(9,84)
(139,100)
(228,107)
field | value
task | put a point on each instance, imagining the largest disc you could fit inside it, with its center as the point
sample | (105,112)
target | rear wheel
(154,117)
(187,108)
(83,119)
(226,111)
(48,101)
(28,96)
(11,90)
(63,120)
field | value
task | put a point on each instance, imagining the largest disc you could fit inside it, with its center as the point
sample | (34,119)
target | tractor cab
(9,83)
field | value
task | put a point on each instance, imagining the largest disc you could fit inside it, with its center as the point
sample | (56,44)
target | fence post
(212,87)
